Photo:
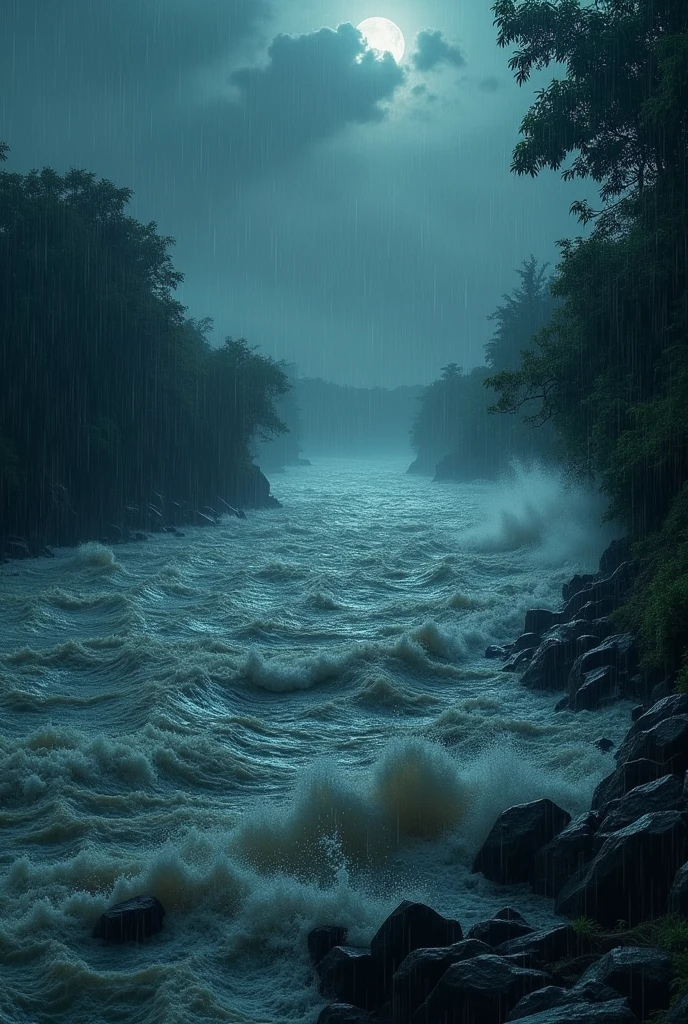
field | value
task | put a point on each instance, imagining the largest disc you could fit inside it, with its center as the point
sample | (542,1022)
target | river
(272,724)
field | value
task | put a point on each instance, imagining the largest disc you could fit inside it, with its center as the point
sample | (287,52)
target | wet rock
(546,946)
(517,661)
(616,1011)
(640,973)
(131,921)
(566,854)
(664,794)
(618,651)
(611,590)
(623,779)
(667,707)
(494,651)
(499,930)
(604,744)
(322,940)
(508,853)
(421,971)
(618,552)
(568,633)
(678,896)
(666,743)
(576,584)
(483,989)
(637,711)
(538,1001)
(629,879)
(525,642)
(599,687)
(602,628)
(549,667)
(586,643)
(344,1013)
(678,1014)
(563,703)
(539,620)
(348,973)
(411,926)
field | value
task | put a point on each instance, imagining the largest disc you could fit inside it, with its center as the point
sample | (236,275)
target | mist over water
(281,722)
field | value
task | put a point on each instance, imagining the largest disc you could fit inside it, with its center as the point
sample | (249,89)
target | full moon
(383,35)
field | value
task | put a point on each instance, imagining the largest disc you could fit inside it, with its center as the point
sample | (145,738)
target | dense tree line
(454,435)
(110,396)
(611,369)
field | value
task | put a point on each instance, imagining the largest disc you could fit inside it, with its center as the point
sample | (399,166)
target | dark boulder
(421,971)
(616,1011)
(131,921)
(604,744)
(599,687)
(519,660)
(499,930)
(411,926)
(344,1013)
(618,651)
(630,878)
(494,651)
(546,946)
(348,974)
(678,896)
(611,590)
(602,628)
(549,667)
(568,633)
(508,852)
(525,642)
(586,643)
(322,940)
(640,973)
(666,743)
(667,707)
(637,711)
(477,991)
(539,620)
(576,584)
(552,996)
(664,794)
(618,552)
(625,778)
(564,855)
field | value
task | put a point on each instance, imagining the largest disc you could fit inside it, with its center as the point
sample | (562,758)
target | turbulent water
(277,723)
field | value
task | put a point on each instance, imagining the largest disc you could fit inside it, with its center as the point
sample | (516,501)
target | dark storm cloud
(312,86)
(432,50)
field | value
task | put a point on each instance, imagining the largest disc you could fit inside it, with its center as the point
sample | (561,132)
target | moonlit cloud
(433,50)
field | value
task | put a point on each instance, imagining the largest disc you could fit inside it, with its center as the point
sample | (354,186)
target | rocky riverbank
(61,525)
(618,873)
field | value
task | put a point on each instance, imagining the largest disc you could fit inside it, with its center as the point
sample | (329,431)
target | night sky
(349,214)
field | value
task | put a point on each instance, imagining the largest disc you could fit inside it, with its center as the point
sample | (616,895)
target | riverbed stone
(630,878)
(508,853)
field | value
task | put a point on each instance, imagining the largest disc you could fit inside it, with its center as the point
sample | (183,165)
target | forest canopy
(109,393)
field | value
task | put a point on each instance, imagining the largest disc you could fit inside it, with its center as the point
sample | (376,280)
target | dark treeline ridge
(454,434)
(111,398)
(338,419)
(610,369)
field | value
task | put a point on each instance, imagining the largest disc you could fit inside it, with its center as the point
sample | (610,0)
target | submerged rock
(508,853)
(131,921)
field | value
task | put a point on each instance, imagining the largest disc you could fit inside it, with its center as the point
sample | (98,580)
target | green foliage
(453,426)
(611,369)
(108,390)
(586,928)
